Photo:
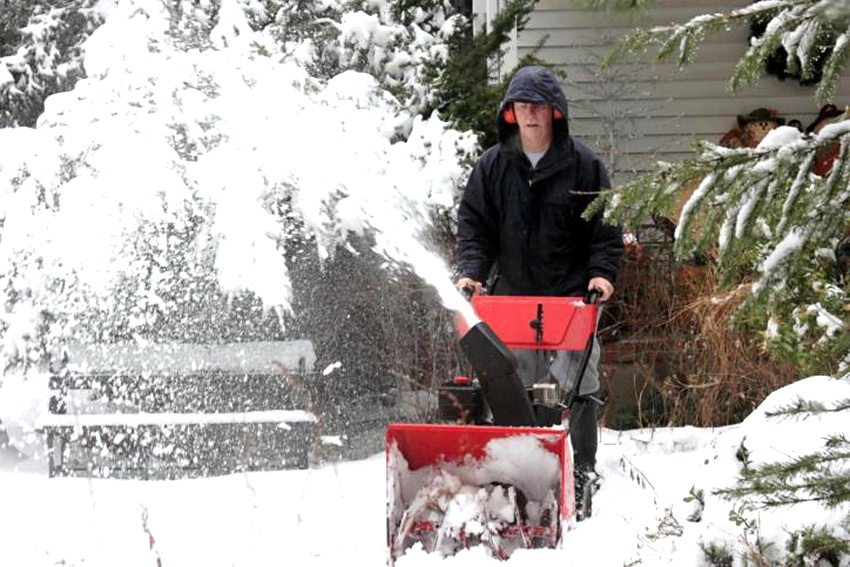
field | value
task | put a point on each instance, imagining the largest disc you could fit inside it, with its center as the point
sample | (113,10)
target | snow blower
(497,469)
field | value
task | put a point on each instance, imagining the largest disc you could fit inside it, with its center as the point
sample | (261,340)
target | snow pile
(680,472)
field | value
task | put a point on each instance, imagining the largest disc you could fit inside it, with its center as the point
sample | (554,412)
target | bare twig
(151,539)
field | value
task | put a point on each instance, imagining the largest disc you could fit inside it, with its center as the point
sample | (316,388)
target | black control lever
(592,298)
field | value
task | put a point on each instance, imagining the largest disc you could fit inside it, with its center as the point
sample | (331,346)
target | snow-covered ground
(335,514)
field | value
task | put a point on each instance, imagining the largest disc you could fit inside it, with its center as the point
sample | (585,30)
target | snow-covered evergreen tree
(767,219)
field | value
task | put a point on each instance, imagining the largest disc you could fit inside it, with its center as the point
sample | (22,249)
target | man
(521,218)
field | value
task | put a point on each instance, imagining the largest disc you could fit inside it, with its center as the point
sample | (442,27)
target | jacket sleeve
(606,240)
(477,235)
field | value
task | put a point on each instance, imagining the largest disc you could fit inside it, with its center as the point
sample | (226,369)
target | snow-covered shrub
(174,176)
(44,53)
(399,43)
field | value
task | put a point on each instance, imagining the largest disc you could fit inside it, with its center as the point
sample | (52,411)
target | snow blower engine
(497,471)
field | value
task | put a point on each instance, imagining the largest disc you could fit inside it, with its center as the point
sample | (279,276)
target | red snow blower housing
(497,471)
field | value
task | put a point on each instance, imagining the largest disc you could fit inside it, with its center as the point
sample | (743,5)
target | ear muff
(510,118)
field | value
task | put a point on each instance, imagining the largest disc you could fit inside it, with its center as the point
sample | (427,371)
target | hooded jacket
(527,221)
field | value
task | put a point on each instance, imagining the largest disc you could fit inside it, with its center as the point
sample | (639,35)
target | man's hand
(469,283)
(603,285)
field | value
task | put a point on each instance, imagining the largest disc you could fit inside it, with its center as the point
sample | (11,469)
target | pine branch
(835,64)
(820,477)
(750,68)
(831,491)
(805,406)
(802,27)
(815,544)
(685,38)
(746,230)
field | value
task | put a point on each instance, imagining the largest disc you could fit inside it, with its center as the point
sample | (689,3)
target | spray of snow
(331,368)
(21,406)
(6,77)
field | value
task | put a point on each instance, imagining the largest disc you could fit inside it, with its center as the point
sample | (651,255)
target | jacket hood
(534,84)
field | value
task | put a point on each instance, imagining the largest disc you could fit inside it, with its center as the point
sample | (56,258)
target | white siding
(646,111)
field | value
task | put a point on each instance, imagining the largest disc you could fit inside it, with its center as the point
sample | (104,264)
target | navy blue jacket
(528,221)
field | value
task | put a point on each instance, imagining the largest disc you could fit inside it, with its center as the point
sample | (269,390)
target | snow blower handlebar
(496,367)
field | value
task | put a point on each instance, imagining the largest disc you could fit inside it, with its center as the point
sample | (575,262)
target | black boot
(586,484)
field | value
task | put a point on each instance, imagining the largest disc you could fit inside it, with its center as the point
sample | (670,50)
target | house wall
(639,111)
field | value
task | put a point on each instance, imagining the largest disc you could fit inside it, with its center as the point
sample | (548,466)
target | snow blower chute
(497,468)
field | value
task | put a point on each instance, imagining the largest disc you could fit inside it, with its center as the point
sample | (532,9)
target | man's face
(532,116)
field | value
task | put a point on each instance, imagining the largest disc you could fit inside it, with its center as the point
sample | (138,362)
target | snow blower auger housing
(497,471)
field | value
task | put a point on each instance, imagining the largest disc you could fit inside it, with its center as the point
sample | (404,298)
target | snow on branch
(803,27)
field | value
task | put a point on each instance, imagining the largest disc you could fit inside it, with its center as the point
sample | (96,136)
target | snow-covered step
(281,417)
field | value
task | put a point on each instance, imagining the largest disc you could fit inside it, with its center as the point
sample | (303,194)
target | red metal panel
(567,321)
